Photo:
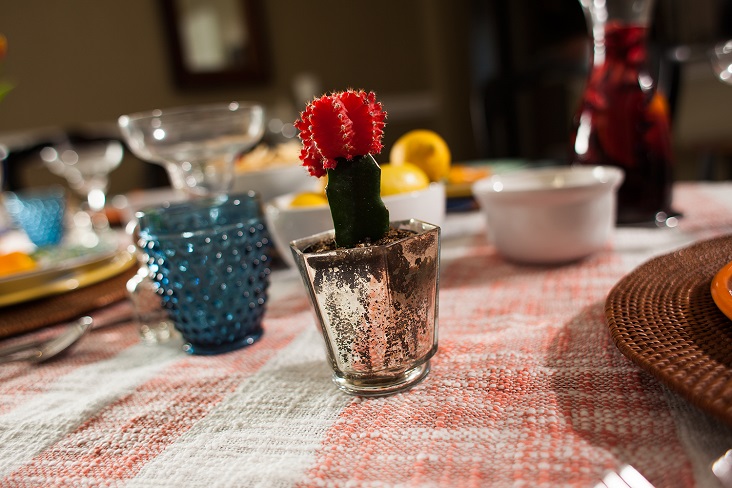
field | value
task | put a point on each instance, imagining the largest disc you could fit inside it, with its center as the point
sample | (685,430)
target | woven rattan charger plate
(662,316)
(97,288)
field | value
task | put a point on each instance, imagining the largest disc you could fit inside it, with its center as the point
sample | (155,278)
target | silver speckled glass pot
(377,307)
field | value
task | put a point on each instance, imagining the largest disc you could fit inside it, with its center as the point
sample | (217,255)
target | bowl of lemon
(412,186)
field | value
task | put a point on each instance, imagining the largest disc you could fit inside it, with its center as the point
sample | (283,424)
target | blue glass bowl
(39,213)
(209,259)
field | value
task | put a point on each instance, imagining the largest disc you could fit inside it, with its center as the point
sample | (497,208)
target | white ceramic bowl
(286,223)
(273,182)
(550,215)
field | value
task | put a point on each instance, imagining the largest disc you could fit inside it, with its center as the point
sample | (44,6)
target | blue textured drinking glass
(209,261)
(39,212)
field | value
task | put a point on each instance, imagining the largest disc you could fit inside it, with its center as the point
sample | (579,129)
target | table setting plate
(85,290)
(664,318)
(58,281)
(459,189)
(56,262)
(62,268)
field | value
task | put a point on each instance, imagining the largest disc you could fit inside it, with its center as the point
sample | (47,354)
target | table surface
(526,389)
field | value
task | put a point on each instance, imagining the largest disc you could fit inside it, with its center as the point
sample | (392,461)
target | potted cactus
(373,283)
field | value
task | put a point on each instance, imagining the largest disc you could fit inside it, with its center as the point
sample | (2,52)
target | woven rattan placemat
(663,318)
(32,315)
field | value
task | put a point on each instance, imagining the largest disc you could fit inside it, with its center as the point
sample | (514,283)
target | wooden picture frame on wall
(215,43)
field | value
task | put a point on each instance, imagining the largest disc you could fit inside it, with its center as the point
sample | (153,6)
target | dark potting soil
(392,236)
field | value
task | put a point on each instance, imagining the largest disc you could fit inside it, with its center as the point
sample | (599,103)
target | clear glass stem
(202,178)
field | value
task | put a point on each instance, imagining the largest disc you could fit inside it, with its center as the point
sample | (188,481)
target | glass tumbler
(155,326)
(209,262)
(39,212)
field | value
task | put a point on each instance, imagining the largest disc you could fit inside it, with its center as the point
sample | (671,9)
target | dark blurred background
(497,78)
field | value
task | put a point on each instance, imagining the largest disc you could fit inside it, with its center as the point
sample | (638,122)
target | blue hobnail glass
(39,212)
(209,259)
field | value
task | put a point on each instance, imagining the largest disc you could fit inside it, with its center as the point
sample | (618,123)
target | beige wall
(86,61)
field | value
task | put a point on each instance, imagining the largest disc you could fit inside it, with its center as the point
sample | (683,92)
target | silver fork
(627,477)
(39,351)
(43,350)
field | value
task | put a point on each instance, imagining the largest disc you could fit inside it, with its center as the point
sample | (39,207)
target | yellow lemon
(424,148)
(308,199)
(402,178)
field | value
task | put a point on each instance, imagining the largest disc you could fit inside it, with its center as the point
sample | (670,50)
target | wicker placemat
(663,318)
(32,315)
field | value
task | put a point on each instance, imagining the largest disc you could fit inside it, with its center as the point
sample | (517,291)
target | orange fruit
(15,262)
(460,174)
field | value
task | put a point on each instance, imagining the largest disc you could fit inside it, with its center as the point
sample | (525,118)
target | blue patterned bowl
(209,259)
(39,212)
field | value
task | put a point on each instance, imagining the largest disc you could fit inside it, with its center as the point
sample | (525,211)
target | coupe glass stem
(203,177)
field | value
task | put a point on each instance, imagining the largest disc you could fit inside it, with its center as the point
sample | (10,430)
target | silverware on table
(39,351)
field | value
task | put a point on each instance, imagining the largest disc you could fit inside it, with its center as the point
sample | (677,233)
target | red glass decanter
(622,119)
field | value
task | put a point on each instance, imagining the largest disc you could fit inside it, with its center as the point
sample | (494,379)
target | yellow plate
(39,285)
(721,290)
(464,174)
(56,261)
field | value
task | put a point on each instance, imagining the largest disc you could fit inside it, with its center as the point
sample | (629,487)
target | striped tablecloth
(527,389)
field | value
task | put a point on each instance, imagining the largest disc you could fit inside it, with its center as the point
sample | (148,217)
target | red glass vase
(622,119)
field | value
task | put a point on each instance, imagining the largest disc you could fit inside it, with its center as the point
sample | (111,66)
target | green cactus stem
(354,196)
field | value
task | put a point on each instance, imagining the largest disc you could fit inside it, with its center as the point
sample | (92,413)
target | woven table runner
(527,389)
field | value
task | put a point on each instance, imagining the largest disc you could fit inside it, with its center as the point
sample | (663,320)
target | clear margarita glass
(85,163)
(198,144)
